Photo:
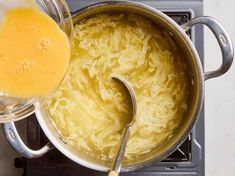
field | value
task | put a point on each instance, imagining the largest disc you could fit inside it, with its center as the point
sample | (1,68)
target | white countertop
(219,102)
(220,97)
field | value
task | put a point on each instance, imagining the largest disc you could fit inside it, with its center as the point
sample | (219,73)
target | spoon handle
(113,173)
(117,162)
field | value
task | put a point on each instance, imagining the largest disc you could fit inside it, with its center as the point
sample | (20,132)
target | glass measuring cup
(12,108)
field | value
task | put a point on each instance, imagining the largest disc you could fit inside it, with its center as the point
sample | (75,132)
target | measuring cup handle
(18,145)
(223,38)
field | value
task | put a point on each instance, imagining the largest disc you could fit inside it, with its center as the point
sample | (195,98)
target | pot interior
(196,92)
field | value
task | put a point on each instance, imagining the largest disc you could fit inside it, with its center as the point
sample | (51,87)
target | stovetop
(187,160)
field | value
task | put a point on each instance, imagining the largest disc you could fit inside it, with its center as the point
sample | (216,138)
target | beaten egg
(34,51)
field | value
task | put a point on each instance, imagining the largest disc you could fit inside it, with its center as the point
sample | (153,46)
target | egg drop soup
(90,110)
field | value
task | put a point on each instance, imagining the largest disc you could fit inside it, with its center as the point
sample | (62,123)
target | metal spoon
(117,162)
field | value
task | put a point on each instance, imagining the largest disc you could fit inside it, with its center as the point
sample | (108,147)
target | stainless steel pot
(198,77)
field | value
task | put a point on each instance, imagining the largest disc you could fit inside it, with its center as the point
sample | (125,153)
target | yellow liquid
(34,53)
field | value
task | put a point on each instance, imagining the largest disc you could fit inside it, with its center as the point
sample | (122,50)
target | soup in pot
(90,110)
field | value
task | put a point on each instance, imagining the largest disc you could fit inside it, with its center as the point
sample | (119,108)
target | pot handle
(18,145)
(224,40)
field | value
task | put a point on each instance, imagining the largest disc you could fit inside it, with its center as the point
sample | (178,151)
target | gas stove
(187,160)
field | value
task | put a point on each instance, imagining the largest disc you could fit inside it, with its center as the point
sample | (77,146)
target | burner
(187,160)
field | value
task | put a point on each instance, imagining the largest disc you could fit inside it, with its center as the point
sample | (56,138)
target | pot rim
(174,146)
